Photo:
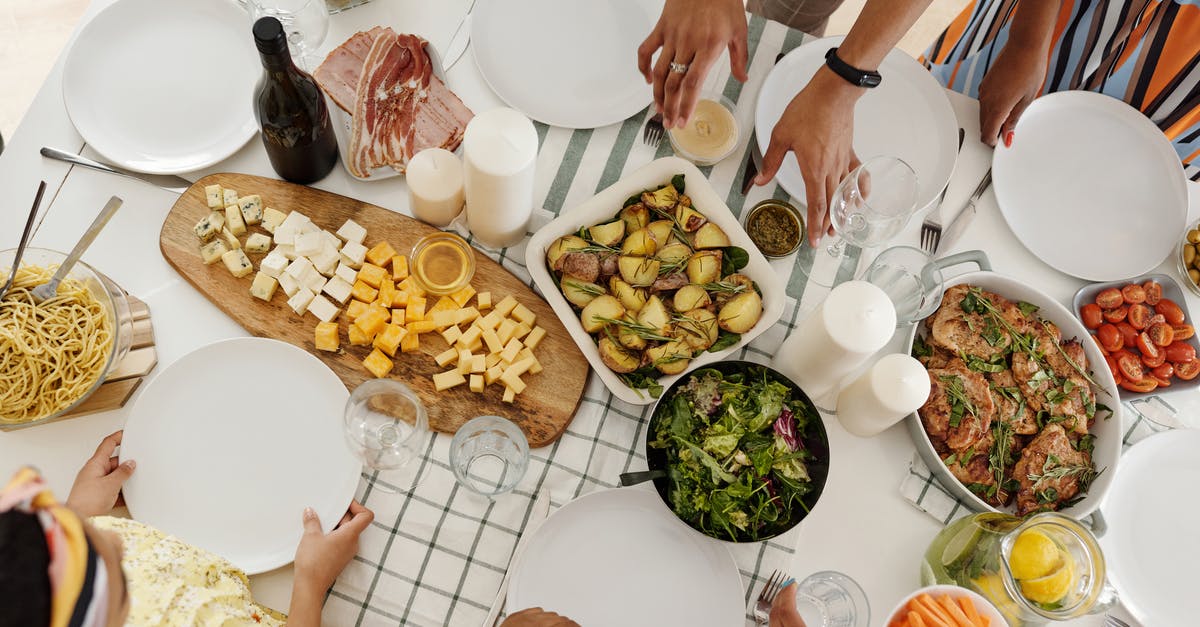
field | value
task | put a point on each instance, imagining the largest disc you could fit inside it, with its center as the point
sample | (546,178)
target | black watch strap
(853,75)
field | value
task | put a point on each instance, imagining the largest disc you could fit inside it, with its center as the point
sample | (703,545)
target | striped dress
(1144,52)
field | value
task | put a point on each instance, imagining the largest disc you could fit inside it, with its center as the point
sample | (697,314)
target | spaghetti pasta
(51,353)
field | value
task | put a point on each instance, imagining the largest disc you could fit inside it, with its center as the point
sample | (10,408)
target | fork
(762,605)
(931,228)
(653,133)
(1113,621)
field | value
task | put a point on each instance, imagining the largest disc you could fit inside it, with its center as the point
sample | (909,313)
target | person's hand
(818,128)
(692,32)
(97,487)
(783,609)
(1013,81)
(321,557)
(537,617)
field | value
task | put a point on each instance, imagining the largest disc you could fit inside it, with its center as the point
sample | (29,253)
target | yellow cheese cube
(411,286)
(357,337)
(478,363)
(493,341)
(378,364)
(451,335)
(400,298)
(416,309)
(492,359)
(422,326)
(411,342)
(509,354)
(373,275)
(387,293)
(528,354)
(362,291)
(476,383)
(389,339)
(468,337)
(462,296)
(521,331)
(398,317)
(373,321)
(510,395)
(445,303)
(519,368)
(475,346)
(327,336)
(446,357)
(445,380)
(399,267)
(524,315)
(443,319)
(493,374)
(464,361)
(483,300)
(355,309)
(381,254)
(505,332)
(512,382)
(470,314)
(490,321)
(507,305)
(535,337)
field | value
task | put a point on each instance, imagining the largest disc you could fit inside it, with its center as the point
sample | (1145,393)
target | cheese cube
(273,264)
(462,296)
(483,300)
(271,219)
(415,310)
(444,303)
(468,338)
(362,291)
(285,234)
(444,319)
(400,298)
(493,359)
(309,244)
(446,357)
(348,274)
(451,335)
(389,339)
(464,361)
(313,280)
(381,254)
(521,331)
(230,239)
(412,287)
(234,221)
(237,262)
(326,337)
(527,354)
(252,208)
(373,321)
(411,342)
(524,315)
(534,338)
(324,310)
(357,337)
(507,305)
(422,326)
(470,314)
(355,309)
(478,363)
(300,300)
(493,374)
(387,291)
(212,251)
(398,317)
(477,345)
(287,250)
(509,354)
(490,321)
(378,364)
(509,395)
(307,227)
(326,261)
(290,286)
(295,220)
(263,287)
(512,382)
(493,341)
(209,226)
(331,241)
(476,383)
(519,368)
(258,243)
(399,268)
(354,254)
(505,332)
(212,194)
(228,197)
(338,289)
(445,380)
(298,268)
(373,275)
(352,232)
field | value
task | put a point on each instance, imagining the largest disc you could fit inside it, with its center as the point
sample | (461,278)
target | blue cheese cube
(354,254)
(273,264)
(258,243)
(212,251)
(347,274)
(238,263)
(263,287)
(352,232)
(324,310)
(271,219)
(234,221)
(209,226)
(300,300)
(338,289)
(252,208)
(290,286)
(309,244)
(212,193)
(230,239)
(228,197)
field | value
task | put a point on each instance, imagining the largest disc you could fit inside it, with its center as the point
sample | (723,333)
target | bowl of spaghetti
(55,354)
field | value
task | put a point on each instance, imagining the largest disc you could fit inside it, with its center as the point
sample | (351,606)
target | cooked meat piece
(1042,486)
(608,267)
(977,412)
(957,331)
(937,359)
(1010,409)
(1059,393)
(669,282)
(582,266)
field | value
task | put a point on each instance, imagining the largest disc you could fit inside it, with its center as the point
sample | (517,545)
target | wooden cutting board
(543,411)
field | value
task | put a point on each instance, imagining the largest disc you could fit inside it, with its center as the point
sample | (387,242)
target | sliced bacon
(338,75)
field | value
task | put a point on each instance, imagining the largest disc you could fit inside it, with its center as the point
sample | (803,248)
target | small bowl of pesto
(775,227)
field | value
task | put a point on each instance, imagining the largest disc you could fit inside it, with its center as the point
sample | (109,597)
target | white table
(862,526)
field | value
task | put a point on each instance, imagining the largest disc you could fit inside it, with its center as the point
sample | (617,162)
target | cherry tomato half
(1092,315)
(1153,292)
(1111,360)
(1110,298)
(1130,367)
(1188,370)
(1142,385)
(1154,360)
(1165,371)
(1116,315)
(1161,333)
(1184,331)
(1162,383)
(1133,294)
(1109,338)
(1170,310)
(1139,316)
(1180,353)
(1147,346)
(1128,333)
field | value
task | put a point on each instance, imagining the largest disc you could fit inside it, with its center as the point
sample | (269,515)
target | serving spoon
(634,478)
(16,263)
(49,290)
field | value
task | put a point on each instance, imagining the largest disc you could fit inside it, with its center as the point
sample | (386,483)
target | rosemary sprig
(960,404)
(1002,441)
(1070,361)
(587,288)
(725,287)
(643,331)
(1053,468)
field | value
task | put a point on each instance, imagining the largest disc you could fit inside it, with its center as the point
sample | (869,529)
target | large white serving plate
(1152,545)
(603,207)
(906,116)
(568,63)
(232,442)
(618,558)
(163,86)
(1091,186)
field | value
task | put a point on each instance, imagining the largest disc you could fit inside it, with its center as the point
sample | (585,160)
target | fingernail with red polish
(1008,139)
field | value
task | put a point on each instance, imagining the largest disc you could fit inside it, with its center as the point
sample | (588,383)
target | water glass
(489,455)
(831,599)
(306,23)
(386,427)
(911,280)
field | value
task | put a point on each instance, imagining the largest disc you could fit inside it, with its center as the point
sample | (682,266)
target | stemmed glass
(306,23)
(386,426)
(870,206)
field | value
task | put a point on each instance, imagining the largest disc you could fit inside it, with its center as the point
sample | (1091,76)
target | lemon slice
(1034,555)
(961,545)
(1052,588)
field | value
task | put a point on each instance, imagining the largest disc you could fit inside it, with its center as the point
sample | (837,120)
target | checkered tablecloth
(437,556)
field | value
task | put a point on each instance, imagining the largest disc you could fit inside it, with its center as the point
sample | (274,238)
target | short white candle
(435,186)
(896,386)
(499,154)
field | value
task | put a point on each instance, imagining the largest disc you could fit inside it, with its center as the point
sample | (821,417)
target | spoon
(16,263)
(634,478)
(50,290)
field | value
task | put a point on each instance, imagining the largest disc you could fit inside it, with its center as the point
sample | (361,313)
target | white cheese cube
(313,280)
(331,241)
(238,263)
(309,227)
(347,274)
(326,262)
(209,226)
(234,221)
(228,197)
(324,310)
(263,287)
(258,243)
(272,218)
(309,244)
(338,289)
(356,253)
(212,193)
(290,286)
(285,234)
(287,250)
(300,300)
(252,208)
(352,232)
(295,220)
(273,264)
(298,268)
(230,239)
(212,251)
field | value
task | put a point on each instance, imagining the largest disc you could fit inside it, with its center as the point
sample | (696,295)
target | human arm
(783,608)
(320,558)
(818,125)
(97,487)
(1016,76)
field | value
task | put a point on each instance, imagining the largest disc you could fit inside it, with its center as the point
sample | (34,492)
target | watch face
(871,80)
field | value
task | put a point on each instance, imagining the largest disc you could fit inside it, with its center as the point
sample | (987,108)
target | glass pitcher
(1058,573)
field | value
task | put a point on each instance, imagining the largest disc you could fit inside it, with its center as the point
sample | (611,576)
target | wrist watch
(853,75)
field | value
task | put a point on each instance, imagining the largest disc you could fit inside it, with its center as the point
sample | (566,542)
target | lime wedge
(961,545)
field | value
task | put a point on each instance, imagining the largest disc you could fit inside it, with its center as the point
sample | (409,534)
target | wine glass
(386,426)
(870,206)
(489,455)
(306,23)
(831,599)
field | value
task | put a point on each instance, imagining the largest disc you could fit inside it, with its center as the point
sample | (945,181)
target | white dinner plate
(1152,544)
(619,558)
(569,63)
(232,442)
(1091,186)
(906,116)
(163,86)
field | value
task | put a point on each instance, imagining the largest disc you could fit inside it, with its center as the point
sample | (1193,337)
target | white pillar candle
(896,386)
(499,153)
(854,321)
(435,186)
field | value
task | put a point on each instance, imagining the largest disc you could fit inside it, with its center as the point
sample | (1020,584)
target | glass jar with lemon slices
(1047,567)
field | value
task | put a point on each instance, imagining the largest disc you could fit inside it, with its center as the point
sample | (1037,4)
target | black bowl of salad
(745,451)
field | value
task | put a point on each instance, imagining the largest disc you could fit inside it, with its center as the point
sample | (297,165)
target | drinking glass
(306,23)
(869,207)
(386,426)
(831,599)
(489,455)
(911,280)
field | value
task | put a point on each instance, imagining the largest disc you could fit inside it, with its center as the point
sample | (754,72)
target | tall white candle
(499,153)
(855,320)
(896,386)
(435,186)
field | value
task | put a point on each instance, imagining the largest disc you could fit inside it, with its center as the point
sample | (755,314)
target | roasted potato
(670,358)
(698,328)
(609,234)
(633,298)
(689,219)
(733,284)
(635,217)
(605,306)
(616,358)
(640,243)
(691,297)
(628,338)
(655,316)
(580,293)
(661,199)
(562,246)
(704,267)
(640,271)
(710,236)
(741,313)
(662,230)
(674,253)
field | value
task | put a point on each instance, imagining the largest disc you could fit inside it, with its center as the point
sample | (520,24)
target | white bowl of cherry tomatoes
(1144,331)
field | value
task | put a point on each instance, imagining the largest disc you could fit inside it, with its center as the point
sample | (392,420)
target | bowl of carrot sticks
(945,606)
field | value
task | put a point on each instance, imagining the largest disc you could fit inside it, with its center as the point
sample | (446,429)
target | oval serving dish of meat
(1018,419)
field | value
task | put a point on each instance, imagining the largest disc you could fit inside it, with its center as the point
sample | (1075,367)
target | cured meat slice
(338,74)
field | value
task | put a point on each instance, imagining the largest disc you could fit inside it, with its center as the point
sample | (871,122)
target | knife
(458,45)
(537,515)
(965,215)
(168,182)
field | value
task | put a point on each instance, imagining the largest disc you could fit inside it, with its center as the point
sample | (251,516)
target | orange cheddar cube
(378,364)
(389,339)
(373,275)
(357,337)
(387,293)
(422,326)
(355,309)
(462,296)
(398,317)
(399,267)
(365,293)
(326,336)
(400,298)
(372,322)
(381,254)
(411,342)
(415,312)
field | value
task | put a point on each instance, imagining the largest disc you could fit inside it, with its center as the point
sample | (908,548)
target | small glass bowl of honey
(443,263)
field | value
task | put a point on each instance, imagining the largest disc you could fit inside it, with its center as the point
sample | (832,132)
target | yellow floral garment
(173,583)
